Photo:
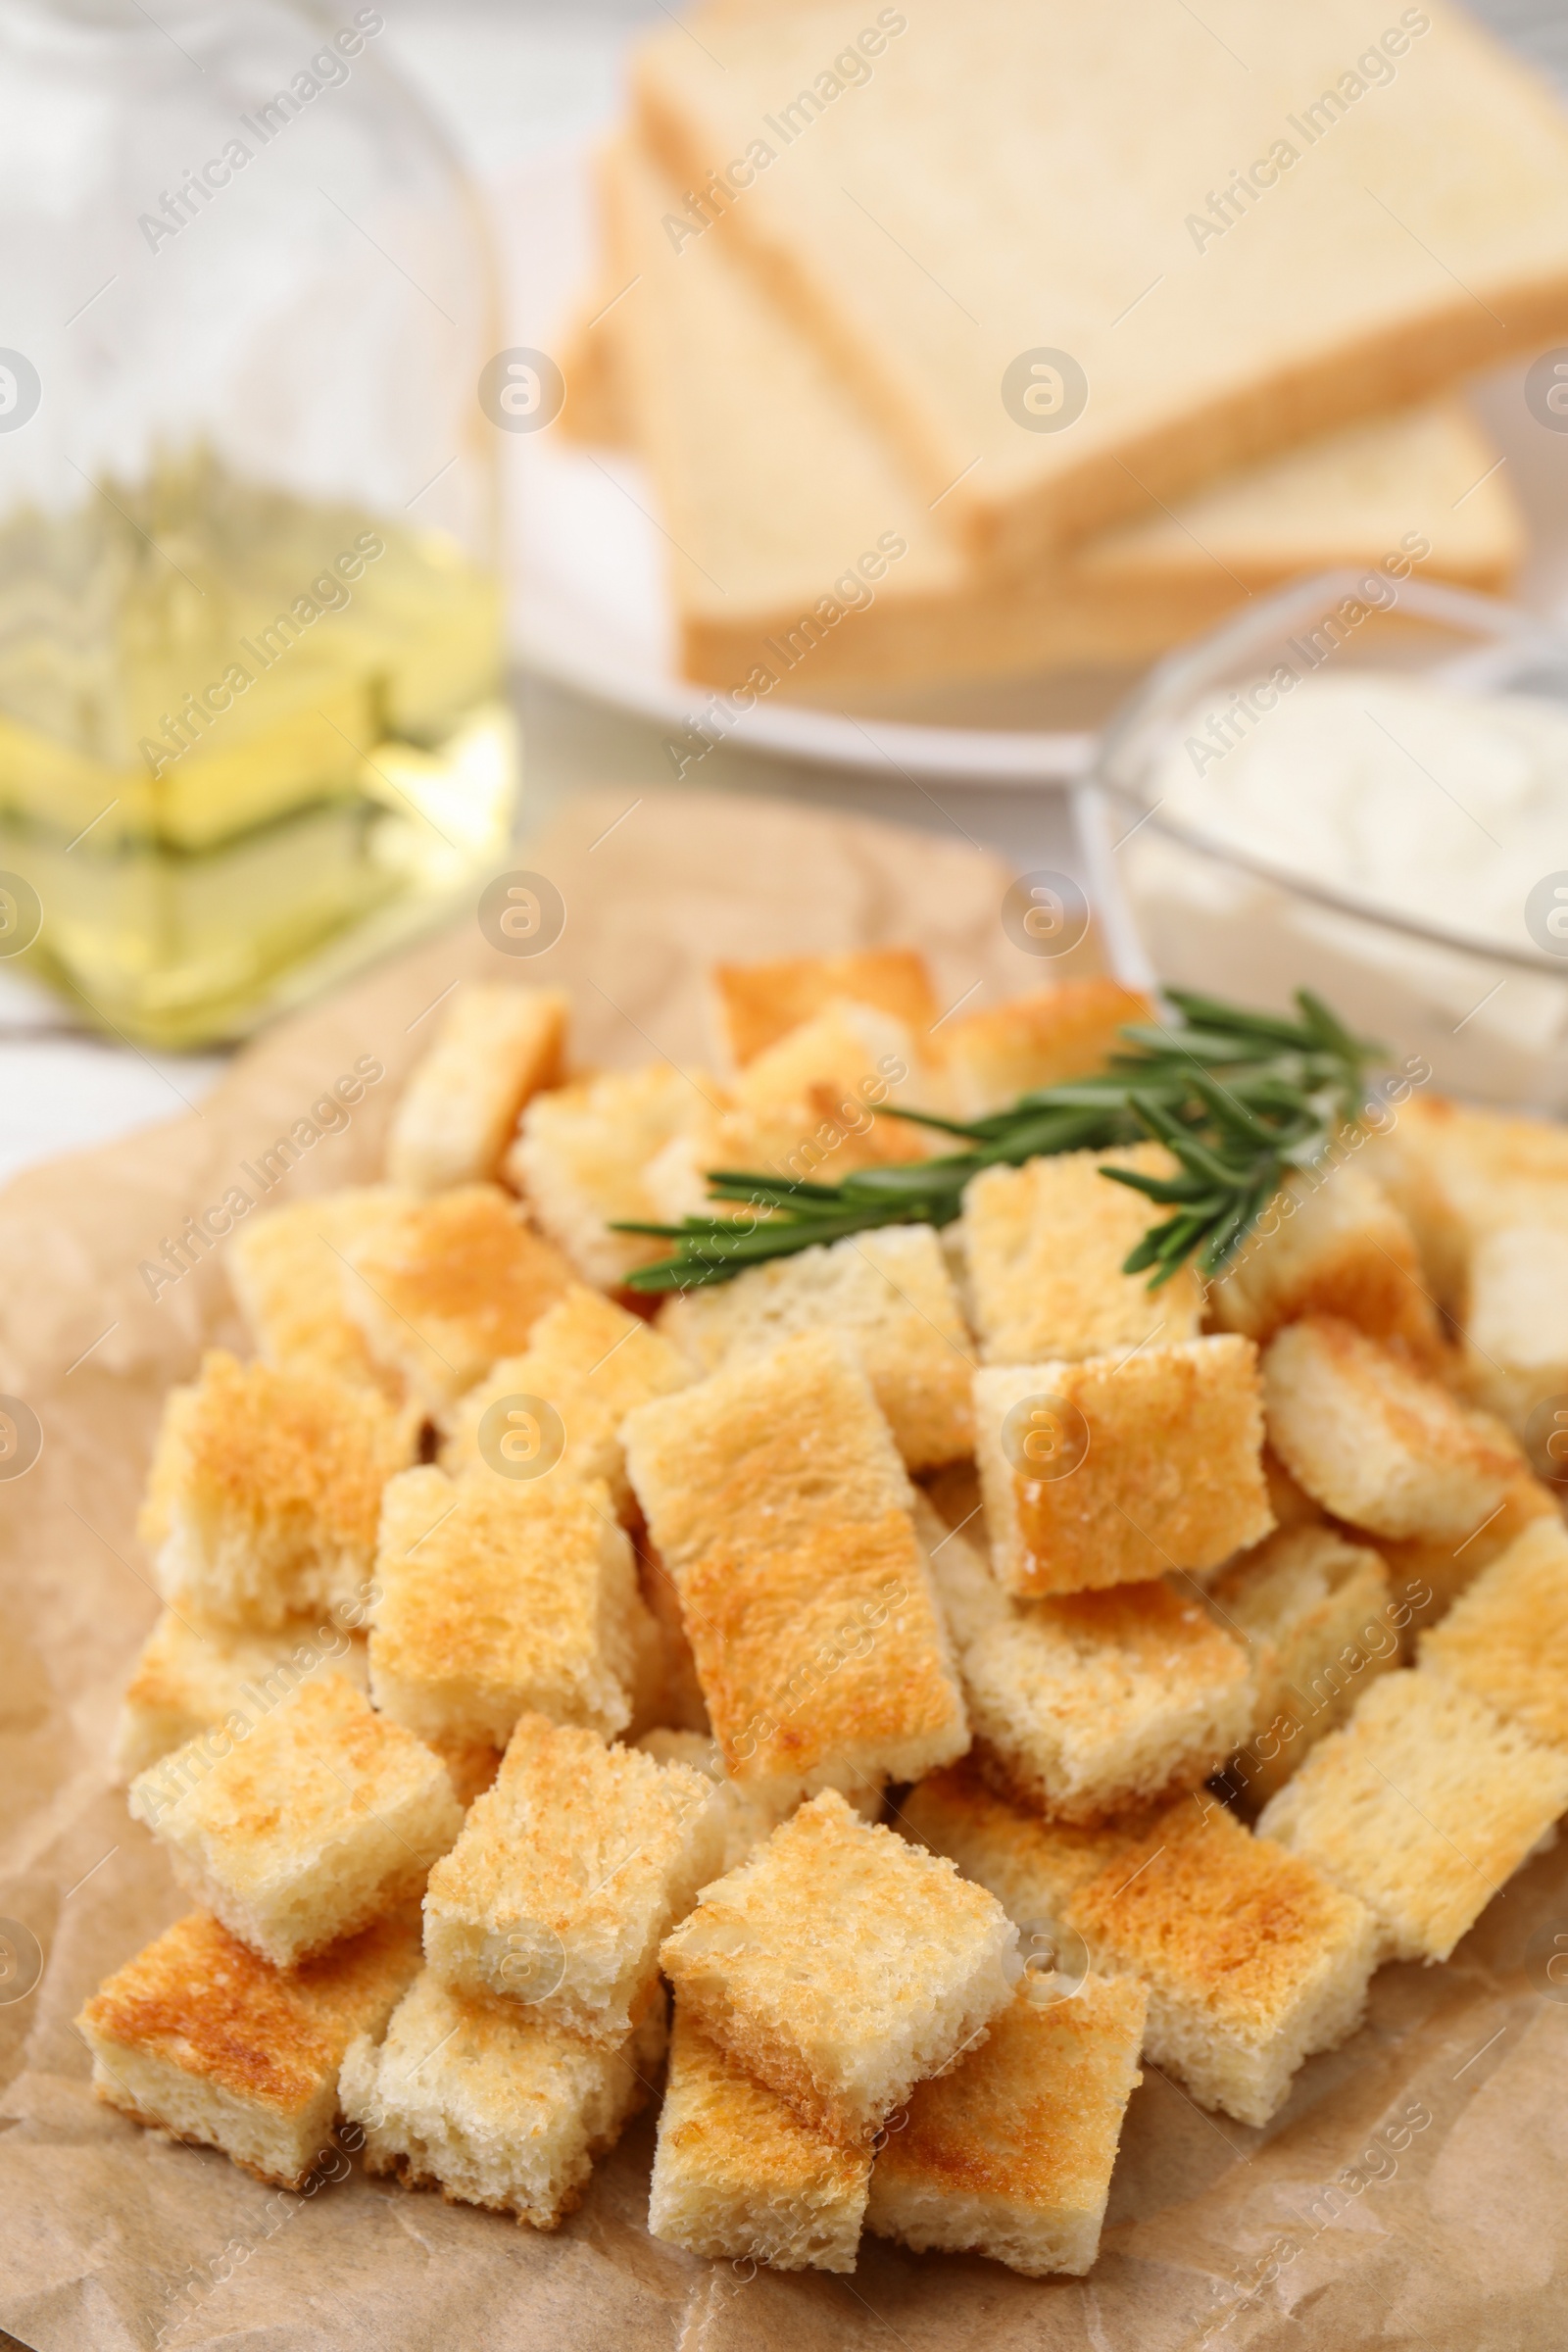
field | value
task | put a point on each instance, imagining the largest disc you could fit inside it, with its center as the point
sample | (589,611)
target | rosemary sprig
(1240,1097)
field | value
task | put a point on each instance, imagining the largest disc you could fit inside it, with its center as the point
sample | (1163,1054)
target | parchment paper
(1413,2191)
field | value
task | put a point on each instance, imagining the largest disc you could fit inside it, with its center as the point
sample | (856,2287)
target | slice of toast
(195,1673)
(1507,1637)
(581,1157)
(1397,215)
(789,572)
(1331,1244)
(756,1005)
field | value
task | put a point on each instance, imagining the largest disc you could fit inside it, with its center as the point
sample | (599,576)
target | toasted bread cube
(580,1157)
(1505,1638)
(1428,1573)
(758,1003)
(842,2018)
(1253,1959)
(198,2036)
(1423,1805)
(1045,1244)
(494,2106)
(593,1362)
(1033,1866)
(1457,1173)
(194,1674)
(776,1500)
(568,1872)
(1094,1702)
(1010,2154)
(266,1491)
(1376,1442)
(321,1819)
(1329,1243)
(451,1286)
(737,2175)
(1168,1471)
(992,1057)
(286,1269)
(1516,1334)
(890,1292)
(1318,1621)
(495,1048)
(499,1599)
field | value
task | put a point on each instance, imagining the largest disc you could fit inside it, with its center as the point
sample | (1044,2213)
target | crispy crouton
(1422,1806)
(1516,1334)
(1031,1865)
(497,1047)
(1091,1703)
(286,1269)
(321,1819)
(1505,1638)
(194,1673)
(451,1286)
(568,1872)
(1011,2153)
(593,1363)
(1317,1618)
(758,1003)
(889,1292)
(988,1059)
(1253,1959)
(776,1500)
(495,2106)
(198,2036)
(843,2023)
(1456,1172)
(499,1599)
(1148,1463)
(1329,1243)
(1428,1573)
(581,1154)
(266,1491)
(737,2175)
(1291,1504)
(1378,1445)
(1044,1244)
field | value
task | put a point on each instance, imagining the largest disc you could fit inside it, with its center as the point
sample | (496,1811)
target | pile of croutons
(886,1650)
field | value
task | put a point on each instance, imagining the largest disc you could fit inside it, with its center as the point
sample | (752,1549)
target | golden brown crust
(257,1444)
(1172,1477)
(459,1279)
(200,2000)
(992,1057)
(1233,1920)
(1507,1637)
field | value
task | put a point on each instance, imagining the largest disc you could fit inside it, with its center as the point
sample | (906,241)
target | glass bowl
(1480,989)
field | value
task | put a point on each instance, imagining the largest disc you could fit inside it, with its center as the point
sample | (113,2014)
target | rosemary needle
(1239,1099)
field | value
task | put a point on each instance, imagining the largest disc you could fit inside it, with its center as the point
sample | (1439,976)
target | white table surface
(511,79)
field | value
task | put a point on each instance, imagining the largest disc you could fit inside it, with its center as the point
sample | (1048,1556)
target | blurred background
(574,498)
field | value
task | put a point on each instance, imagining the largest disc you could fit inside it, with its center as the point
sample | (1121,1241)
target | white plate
(589,606)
